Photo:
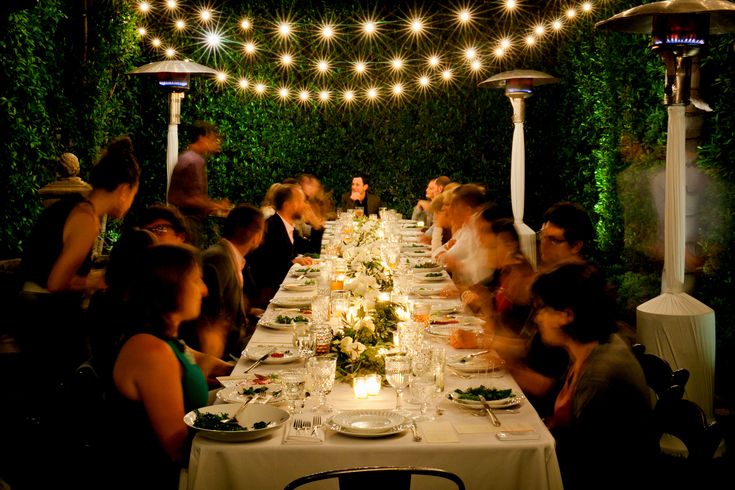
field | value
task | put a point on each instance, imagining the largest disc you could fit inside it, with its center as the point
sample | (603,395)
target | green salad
(434,274)
(213,421)
(288,319)
(253,391)
(474,394)
(426,265)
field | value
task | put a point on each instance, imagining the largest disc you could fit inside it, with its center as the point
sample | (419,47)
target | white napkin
(437,431)
(302,436)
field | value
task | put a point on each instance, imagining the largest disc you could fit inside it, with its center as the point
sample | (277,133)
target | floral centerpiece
(363,340)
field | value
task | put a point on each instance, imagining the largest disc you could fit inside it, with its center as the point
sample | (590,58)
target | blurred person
(189,190)
(441,229)
(156,379)
(224,325)
(282,244)
(166,222)
(267,207)
(319,206)
(602,412)
(57,258)
(503,298)
(421,211)
(359,197)
(459,253)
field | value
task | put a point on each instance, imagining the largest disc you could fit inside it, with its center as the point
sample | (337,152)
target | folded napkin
(291,435)
(437,431)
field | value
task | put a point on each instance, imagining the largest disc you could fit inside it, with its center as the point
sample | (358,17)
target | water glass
(438,366)
(322,337)
(421,312)
(320,309)
(304,340)
(322,370)
(422,390)
(293,383)
(359,212)
(410,336)
(397,372)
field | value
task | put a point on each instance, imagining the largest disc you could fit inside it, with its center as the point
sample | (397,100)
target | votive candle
(359,386)
(373,384)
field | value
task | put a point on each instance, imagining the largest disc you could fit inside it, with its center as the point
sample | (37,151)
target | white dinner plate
(282,355)
(426,270)
(509,402)
(428,290)
(292,302)
(237,393)
(417,253)
(474,364)
(426,276)
(446,330)
(445,308)
(255,412)
(278,326)
(250,379)
(298,287)
(305,271)
(368,421)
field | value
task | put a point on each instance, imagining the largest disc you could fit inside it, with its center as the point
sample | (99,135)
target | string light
(327,31)
(283,93)
(304,96)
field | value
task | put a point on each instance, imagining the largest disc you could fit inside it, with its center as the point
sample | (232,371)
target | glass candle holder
(359,387)
(373,384)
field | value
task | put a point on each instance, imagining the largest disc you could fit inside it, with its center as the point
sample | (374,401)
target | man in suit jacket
(359,197)
(223,326)
(271,262)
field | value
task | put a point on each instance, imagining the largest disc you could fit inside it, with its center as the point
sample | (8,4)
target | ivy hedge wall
(589,138)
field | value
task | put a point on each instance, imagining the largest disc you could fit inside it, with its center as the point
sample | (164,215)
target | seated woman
(58,257)
(601,415)
(503,299)
(156,378)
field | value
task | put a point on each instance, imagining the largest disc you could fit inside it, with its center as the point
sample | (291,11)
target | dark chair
(371,477)
(665,382)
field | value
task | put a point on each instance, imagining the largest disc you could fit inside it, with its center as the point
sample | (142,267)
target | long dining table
(459,440)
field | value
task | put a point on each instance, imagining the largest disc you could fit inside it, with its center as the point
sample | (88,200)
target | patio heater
(173,77)
(674,325)
(518,85)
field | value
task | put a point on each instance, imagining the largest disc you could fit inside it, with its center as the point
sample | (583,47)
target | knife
(261,359)
(494,418)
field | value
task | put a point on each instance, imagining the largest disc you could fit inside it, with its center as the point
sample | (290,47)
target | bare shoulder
(146,350)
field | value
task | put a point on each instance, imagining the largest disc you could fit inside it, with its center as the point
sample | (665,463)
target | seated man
(223,327)
(359,197)
(421,211)
(166,222)
(278,252)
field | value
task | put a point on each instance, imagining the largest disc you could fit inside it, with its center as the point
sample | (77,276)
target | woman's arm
(210,365)
(148,371)
(80,232)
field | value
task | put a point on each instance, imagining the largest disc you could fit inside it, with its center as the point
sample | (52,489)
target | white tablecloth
(480,459)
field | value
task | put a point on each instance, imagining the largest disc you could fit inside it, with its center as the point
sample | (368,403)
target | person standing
(57,259)
(188,189)
(359,197)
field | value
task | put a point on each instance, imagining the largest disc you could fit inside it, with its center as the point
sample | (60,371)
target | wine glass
(322,370)
(304,339)
(397,371)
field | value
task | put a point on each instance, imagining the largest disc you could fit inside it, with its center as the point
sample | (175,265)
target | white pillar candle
(373,384)
(359,386)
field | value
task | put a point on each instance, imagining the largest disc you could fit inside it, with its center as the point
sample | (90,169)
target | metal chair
(371,477)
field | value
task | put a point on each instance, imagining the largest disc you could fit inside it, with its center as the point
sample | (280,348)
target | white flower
(362,284)
(366,322)
(351,348)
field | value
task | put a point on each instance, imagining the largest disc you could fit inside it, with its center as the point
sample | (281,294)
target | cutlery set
(308,425)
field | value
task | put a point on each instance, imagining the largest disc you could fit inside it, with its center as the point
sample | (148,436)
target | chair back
(665,382)
(686,420)
(370,477)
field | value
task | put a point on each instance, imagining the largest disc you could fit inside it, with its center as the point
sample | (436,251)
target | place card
(438,431)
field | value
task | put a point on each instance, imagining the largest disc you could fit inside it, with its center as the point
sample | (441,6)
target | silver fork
(316,423)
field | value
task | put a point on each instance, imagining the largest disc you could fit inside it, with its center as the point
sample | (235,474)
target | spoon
(242,407)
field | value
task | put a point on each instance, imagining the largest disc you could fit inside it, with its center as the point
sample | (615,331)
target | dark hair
(442,181)
(491,212)
(117,165)
(582,289)
(199,129)
(126,256)
(289,180)
(242,223)
(574,220)
(156,287)
(472,195)
(364,177)
(282,195)
(505,228)
(167,213)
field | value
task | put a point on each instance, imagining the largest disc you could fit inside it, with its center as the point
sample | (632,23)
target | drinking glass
(397,372)
(410,336)
(320,309)
(438,365)
(304,340)
(322,370)
(359,212)
(421,312)
(293,383)
(423,388)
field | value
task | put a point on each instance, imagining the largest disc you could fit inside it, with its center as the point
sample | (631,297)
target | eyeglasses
(540,236)
(160,229)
